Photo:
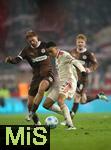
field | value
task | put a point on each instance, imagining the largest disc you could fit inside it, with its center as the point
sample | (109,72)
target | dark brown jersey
(89,61)
(87,57)
(38,59)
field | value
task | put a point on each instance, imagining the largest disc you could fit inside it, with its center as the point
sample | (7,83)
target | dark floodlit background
(59,21)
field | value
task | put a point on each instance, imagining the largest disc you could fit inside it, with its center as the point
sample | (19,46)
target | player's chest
(37,55)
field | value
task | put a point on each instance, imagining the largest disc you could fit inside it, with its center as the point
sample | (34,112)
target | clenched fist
(8,59)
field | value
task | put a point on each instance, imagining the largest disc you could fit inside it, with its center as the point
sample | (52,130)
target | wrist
(88,70)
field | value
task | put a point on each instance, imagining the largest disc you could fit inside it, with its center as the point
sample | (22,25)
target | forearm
(92,68)
(93,63)
(78,65)
(15,60)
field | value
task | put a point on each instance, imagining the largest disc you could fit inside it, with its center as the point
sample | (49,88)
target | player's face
(52,51)
(33,41)
(81,44)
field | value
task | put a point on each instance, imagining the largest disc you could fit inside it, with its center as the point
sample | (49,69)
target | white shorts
(67,88)
(53,91)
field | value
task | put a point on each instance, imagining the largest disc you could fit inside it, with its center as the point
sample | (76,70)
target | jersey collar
(84,50)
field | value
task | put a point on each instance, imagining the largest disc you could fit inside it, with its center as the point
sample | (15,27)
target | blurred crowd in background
(59,21)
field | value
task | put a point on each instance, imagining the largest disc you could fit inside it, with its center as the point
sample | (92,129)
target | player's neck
(81,51)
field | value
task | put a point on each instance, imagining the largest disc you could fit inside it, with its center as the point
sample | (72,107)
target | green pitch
(93,131)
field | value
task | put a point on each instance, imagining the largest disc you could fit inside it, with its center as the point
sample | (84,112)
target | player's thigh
(43,86)
(52,95)
(53,91)
(72,90)
(64,88)
(34,85)
(50,81)
(61,98)
(77,97)
(83,98)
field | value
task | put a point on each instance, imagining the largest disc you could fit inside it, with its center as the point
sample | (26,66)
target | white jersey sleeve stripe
(20,57)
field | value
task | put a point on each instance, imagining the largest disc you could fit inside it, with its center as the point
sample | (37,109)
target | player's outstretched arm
(75,62)
(94,63)
(79,65)
(12,60)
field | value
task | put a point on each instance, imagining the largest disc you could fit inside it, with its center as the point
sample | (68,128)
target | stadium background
(58,21)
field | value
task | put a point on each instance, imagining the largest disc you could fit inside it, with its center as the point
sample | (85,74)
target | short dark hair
(50,44)
(30,33)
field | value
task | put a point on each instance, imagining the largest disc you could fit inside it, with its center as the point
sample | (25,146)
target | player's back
(64,66)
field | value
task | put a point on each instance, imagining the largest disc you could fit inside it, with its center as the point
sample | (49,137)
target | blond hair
(81,36)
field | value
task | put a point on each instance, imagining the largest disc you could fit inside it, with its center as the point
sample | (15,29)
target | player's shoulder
(65,53)
(42,44)
(73,50)
(26,47)
(90,53)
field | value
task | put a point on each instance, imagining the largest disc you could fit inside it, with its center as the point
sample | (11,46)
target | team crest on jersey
(84,57)
(43,50)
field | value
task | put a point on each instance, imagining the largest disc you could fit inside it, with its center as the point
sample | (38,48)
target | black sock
(75,107)
(34,108)
(91,98)
(35,118)
(29,107)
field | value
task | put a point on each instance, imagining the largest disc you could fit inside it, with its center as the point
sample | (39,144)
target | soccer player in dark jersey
(90,63)
(36,55)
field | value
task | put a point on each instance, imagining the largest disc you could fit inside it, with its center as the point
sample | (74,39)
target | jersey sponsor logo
(38,59)
(43,50)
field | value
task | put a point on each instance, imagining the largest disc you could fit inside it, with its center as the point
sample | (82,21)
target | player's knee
(83,100)
(44,85)
(45,106)
(60,103)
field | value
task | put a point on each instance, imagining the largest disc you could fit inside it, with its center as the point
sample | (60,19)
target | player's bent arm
(77,63)
(13,60)
(84,75)
(94,64)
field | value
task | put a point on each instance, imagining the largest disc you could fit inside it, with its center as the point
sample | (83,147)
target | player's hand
(88,70)
(8,59)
